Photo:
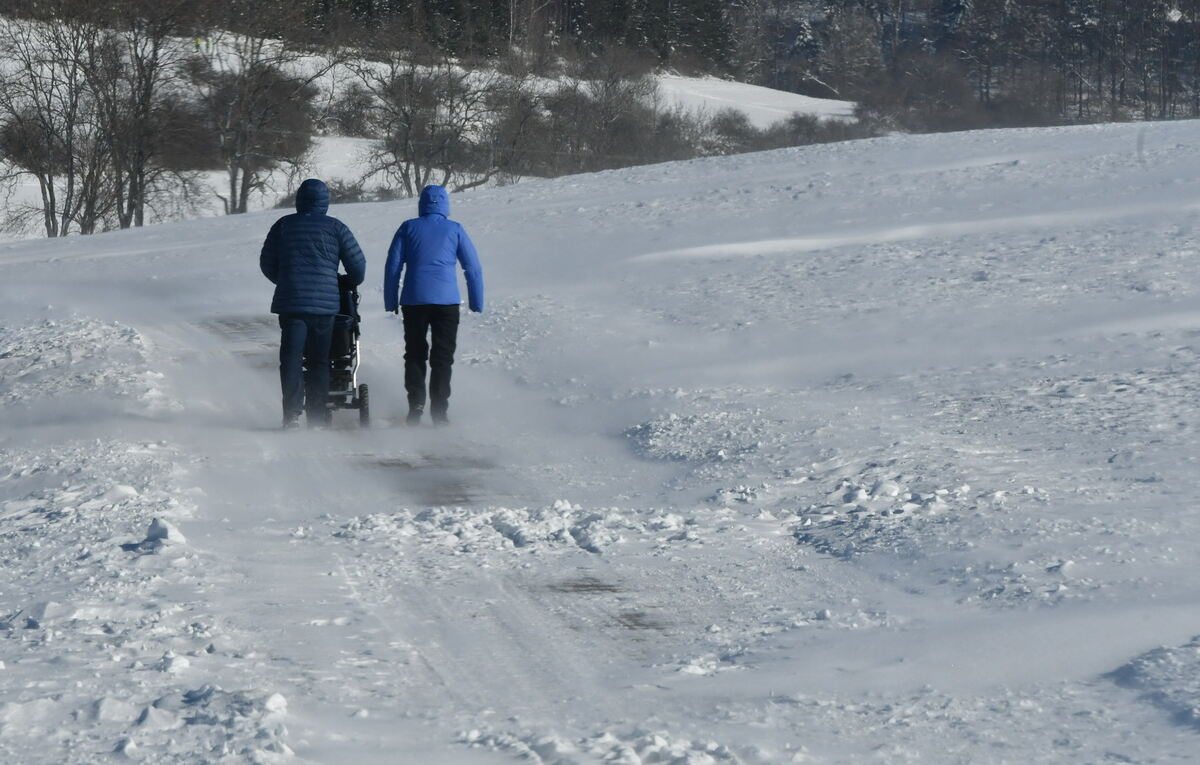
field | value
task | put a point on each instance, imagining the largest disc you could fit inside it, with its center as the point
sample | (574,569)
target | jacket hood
(313,196)
(434,200)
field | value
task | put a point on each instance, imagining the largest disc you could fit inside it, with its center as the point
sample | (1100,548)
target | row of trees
(971,61)
(673,32)
(440,123)
(1082,59)
(116,106)
(937,64)
(115,110)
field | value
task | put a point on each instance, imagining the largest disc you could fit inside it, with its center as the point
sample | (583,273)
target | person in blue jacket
(424,252)
(300,256)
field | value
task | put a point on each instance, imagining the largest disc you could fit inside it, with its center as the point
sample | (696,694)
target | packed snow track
(883,451)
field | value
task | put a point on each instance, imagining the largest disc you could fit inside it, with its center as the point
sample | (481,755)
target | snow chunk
(249,722)
(632,748)
(469,530)
(153,718)
(1169,678)
(119,493)
(165,532)
(160,535)
(127,747)
(108,709)
(173,664)
(45,612)
(886,489)
(705,436)
(275,704)
(25,714)
(80,357)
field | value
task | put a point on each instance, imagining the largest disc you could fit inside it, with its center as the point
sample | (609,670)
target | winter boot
(414,415)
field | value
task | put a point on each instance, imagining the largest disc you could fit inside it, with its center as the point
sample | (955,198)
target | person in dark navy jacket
(425,252)
(300,256)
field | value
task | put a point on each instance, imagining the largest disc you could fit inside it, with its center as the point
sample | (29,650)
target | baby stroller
(345,392)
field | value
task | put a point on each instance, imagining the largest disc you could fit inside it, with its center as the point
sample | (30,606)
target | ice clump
(161,534)
(1168,678)
(632,748)
(164,532)
(53,360)
(471,529)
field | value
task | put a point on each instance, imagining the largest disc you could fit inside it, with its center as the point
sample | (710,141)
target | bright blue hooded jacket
(425,250)
(302,251)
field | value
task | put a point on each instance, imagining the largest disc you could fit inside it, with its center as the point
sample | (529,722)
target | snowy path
(882,451)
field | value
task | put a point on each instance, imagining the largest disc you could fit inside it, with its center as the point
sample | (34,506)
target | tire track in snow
(396,633)
(488,641)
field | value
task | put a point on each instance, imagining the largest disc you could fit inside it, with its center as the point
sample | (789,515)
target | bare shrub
(256,88)
(257,118)
(730,132)
(430,120)
(928,94)
(51,126)
(133,72)
(340,192)
(350,113)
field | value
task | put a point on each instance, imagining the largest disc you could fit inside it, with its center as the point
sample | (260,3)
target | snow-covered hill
(878,451)
(764,106)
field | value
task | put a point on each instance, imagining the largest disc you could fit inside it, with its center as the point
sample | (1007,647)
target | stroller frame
(345,392)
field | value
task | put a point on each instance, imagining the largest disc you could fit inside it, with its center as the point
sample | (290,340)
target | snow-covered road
(878,451)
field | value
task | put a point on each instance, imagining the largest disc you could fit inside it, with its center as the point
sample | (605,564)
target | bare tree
(433,121)
(852,60)
(51,127)
(256,92)
(603,115)
(134,69)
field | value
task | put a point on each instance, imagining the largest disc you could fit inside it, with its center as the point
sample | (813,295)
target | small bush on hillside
(731,132)
(340,192)
(805,129)
(350,113)
(589,125)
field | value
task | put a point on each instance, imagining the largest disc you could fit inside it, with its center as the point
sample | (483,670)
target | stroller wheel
(364,406)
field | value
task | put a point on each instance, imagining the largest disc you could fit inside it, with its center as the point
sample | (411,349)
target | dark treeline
(1015,60)
(948,64)
(694,33)
(115,107)
(924,63)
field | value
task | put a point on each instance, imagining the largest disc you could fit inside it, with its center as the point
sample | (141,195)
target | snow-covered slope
(880,451)
(764,106)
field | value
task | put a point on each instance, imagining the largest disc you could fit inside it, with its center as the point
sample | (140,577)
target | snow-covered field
(764,106)
(867,452)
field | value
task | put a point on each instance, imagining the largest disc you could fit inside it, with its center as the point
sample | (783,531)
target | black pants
(440,322)
(304,365)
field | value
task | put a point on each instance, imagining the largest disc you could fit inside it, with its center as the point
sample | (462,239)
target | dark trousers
(440,322)
(304,365)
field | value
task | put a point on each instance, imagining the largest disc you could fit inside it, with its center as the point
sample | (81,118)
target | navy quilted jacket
(302,252)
